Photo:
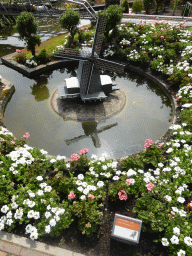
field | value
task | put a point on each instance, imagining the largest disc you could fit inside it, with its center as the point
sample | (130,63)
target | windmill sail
(109,65)
(98,38)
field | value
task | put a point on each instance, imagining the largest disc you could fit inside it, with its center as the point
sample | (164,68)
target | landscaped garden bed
(76,201)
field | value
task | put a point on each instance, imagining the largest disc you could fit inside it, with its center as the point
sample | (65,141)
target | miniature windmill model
(89,84)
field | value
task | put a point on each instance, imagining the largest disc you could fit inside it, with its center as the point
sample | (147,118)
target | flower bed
(46,195)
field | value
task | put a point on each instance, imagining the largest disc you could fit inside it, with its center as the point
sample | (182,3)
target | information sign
(126,229)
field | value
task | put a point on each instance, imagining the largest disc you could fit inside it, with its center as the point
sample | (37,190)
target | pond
(146,114)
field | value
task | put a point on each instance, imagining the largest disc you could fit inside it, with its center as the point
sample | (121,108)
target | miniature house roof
(72,82)
(105,79)
(86,52)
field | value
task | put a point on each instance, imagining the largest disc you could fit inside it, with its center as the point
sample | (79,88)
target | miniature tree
(125,5)
(27,29)
(113,14)
(69,20)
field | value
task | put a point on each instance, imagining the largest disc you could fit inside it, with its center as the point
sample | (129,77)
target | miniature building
(89,84)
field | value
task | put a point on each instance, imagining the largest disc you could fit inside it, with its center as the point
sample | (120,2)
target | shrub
(185,11)
(21,57)
(125,4)
(138,6)
(43,57)
(149,4)
(113,14)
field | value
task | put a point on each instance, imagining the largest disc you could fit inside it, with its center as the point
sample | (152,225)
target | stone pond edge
(30,72)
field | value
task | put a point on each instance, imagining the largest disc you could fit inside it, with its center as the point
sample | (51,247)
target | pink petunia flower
(84,151)
(17,50)
(122,195)
(148,142)
(128,182)
(91,196)
(12,142)
(71,195)
(74,157)
(26,135)
(172,212)
(149,186)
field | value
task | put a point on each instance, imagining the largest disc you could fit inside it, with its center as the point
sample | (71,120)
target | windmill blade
(73,54)
(69,53)
(106,127)
(109,65)
(98,38)
(75,139)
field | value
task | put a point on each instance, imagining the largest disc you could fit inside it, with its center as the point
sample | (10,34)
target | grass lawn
(50,44)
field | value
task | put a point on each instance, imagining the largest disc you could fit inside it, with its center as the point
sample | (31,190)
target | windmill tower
(89,84)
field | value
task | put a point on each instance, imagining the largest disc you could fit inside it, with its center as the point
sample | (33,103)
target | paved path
(11,245)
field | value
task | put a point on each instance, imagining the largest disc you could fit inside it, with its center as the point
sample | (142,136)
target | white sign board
(126,229)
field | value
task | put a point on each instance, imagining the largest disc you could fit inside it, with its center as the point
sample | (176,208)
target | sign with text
(126,229)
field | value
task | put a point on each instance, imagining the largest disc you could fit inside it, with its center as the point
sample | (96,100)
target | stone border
(6,92)
(155,17)
(30,72)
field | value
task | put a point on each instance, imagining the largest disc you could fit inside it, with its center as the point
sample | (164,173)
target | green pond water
(146,115)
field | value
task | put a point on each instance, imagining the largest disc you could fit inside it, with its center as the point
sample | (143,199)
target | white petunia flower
(4,209)
(52,222)
(47,215)
(100,183)
(53,160)
(47,229)
(14,205)
(48,189)
(188,240)
(80,176)
(28,229)
(30,214)
(164,242)
(176,231)
(34,236)
(40,192)
(43,152)
(115,178)
(182,213)
(31,194)
(181,200)
(168,198)
(181,253)
(174,240)
(40,178)
(36,215)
